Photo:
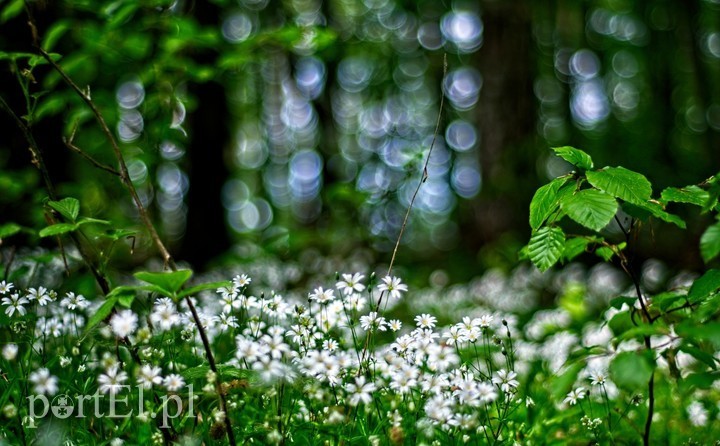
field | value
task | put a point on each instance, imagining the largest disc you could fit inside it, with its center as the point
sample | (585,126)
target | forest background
(301,126)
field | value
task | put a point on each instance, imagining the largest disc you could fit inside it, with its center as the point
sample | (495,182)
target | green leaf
(605,252)
(54,33)
(696,333)
(563,383)
(710,243)
(57,229)
(40,60)
(546,246)
(170,281)
(15,56)
(67,207)
(225,371)
(700,355)
(12,9)
(704,286)
(621,322)
(118,16)
(125,295)
(203,287)
(621,183)
(641,331)
(574,156)
(708,309)
(86,220)
(694,381)
(102,312)
(9,229)
(667,299)
(591,208)
(632,370)
(652,209)
(713,193)
(618,302)
(117,234)
(574,247)
(545,201)
(688,194)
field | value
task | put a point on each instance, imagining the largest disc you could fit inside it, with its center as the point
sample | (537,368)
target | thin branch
(410,206)
(69,144)
(144,216)
(648,345)
(124,175)
(424,175)
(38,161)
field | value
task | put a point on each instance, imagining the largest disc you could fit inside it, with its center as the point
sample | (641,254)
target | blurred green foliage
(300,124)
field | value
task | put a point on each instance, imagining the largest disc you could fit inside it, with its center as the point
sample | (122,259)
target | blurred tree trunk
(206,235)
(506,119)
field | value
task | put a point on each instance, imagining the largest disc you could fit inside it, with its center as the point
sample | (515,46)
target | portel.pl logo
(113,405)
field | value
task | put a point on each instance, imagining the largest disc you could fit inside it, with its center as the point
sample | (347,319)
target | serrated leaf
(9,229)
(170,282)
(632,370)
(203,287)
(591,208)
(713,193)
(688,194)
(710,243)
(574,156)
(57,229)
(704,286)
(621,183)
(546,246)
(67,207)
(545,201)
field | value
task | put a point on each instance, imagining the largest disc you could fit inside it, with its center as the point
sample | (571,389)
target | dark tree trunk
(206,234)
(506,119)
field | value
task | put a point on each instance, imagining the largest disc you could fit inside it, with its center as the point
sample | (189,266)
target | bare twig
(38,161)
(412,202)
(36,156)
(646,316)
(420,183)
(147,222)
(70,145)
(124,175)
(425,171)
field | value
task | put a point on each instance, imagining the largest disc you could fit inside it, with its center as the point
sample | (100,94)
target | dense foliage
(248,221)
